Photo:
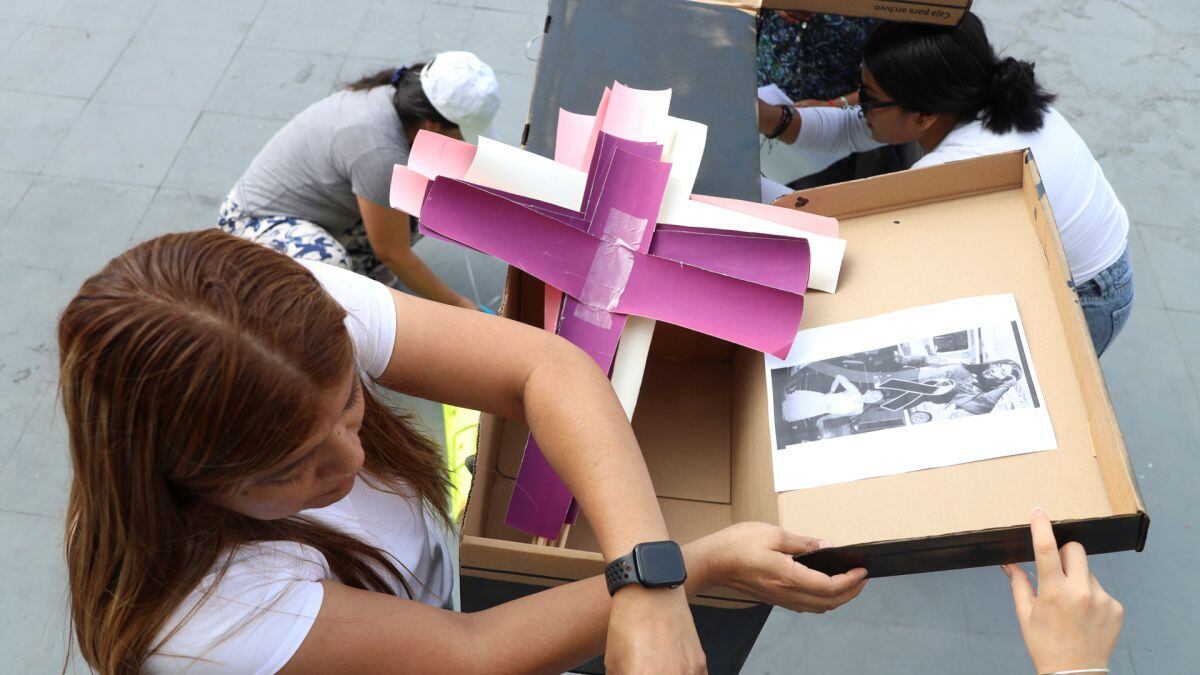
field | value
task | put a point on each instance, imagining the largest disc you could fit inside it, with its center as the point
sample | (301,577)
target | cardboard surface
(987,494)
(975,227)
(696,391)
(945,12)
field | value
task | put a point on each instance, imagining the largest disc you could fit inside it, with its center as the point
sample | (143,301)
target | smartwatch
(655,564)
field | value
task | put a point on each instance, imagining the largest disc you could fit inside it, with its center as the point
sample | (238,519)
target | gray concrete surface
(122,119)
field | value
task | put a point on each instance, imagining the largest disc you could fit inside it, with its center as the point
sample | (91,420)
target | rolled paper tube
(433,155)
(504,167)
(407,191)
(637,114)
(571,138)
(806,222)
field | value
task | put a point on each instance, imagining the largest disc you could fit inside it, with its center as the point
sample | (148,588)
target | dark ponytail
(940,69)
(1017,100)
(409,99)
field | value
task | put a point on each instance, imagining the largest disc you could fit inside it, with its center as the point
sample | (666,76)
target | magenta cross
(612,260)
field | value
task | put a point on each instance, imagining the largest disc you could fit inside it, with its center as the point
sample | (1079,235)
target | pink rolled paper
(571,138)
(636,114)
(570,147)
(408,190)
(601,113)
(433,155)
(808,222)
(778,262)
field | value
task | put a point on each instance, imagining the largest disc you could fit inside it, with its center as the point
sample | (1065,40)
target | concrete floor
(122,119)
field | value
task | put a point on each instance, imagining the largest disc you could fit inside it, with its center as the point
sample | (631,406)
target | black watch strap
(620,573)
(653,564)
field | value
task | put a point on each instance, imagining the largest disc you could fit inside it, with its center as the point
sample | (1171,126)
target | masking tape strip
(610,269)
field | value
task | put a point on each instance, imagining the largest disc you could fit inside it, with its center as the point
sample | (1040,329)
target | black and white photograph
(909,390)
(977,371)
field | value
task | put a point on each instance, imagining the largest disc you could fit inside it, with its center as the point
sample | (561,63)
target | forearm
(560,628)
(572,410)
(387,232)
(417,276)
(769,117)
(832,131)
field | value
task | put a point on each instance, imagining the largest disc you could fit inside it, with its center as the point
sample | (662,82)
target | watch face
(660,563)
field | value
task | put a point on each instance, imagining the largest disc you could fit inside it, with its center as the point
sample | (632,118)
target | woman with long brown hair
(242,500)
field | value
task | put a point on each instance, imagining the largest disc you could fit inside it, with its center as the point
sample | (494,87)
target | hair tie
(398,74)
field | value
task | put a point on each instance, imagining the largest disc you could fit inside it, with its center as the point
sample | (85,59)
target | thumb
(1022,591)
(795,544)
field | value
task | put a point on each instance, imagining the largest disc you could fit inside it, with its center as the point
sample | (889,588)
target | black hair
(954,69)
(409,99)
(986,383)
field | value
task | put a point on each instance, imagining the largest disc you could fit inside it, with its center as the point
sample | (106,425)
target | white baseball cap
(464,90)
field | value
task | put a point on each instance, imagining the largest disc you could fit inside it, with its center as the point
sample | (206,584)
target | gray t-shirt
(341,146)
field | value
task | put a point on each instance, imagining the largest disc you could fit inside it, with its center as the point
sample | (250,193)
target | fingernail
(823,544)
(1007,572)
(1037,510)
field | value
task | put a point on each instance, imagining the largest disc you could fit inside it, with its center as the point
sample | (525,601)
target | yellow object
(462,435)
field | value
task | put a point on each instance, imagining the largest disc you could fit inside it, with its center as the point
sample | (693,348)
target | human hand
(811,103)
(756,558)
(795,16)
(1070,623)
(650,630)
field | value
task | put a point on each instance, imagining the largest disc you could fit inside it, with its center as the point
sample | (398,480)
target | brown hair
(189,364)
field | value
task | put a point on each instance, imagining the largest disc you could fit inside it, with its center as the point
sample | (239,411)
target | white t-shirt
(263,607)
(1091,220)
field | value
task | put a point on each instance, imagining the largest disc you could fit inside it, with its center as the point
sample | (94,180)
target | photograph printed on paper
(966,373)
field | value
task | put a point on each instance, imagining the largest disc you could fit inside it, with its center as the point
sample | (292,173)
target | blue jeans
(1107,300)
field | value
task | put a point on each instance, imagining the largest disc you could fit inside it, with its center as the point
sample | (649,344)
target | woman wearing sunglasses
(945,88)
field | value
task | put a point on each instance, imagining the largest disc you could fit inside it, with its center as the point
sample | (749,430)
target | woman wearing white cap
(319,189)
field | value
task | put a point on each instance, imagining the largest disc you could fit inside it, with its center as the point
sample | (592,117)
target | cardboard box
(945,12)
(702,419)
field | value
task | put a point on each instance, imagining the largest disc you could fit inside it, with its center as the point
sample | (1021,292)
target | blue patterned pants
(305,240)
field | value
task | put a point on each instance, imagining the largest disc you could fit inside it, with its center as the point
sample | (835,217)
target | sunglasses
(865,104)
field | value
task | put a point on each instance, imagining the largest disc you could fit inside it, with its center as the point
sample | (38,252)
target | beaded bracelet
(784,120)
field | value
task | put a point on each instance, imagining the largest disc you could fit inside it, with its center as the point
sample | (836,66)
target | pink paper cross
(611,259)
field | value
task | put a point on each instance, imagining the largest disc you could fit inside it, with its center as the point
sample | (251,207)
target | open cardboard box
(975,227)
(947,12)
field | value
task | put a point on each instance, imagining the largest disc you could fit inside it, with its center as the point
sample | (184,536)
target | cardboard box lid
(944,12)
(899,224)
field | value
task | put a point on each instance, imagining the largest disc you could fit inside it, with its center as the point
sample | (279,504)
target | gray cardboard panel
(704,53)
